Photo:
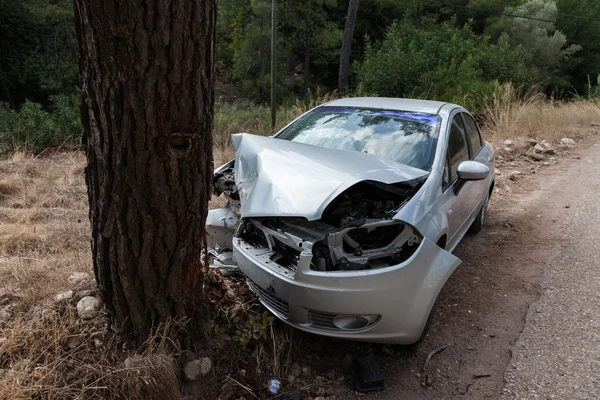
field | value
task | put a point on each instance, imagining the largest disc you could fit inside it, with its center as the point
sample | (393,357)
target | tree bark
(147,80)
(346,46)
(306,49)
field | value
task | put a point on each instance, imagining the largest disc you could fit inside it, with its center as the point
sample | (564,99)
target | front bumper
(401,296)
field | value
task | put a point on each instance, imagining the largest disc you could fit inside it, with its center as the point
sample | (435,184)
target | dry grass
(46,351)
(509,115)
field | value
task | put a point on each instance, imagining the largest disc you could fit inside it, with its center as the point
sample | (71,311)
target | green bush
(442,63)
(33,128)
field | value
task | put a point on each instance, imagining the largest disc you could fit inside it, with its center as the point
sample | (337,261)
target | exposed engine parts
(356,232)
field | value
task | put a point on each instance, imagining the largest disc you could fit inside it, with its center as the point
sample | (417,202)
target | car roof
(389,103)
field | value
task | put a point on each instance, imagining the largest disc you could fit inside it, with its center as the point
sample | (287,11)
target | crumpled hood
(276,177)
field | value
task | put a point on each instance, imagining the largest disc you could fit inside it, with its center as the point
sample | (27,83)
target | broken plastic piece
(274,386)
(367,374)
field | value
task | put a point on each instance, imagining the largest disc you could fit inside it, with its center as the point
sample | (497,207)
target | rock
(84,293)
(532,142)
(507,150)
(295,370)
(320,379)
(197,368)
(97,342)
(497,171)
(63,297)
(6,314)
(535,156)
(544,148)
(133,361)
(78,277)
(567,141)
(330,375)
(74,342)
(291,379)
(306,371)
(21,365)
(88,307)
(513,175)
(508,142)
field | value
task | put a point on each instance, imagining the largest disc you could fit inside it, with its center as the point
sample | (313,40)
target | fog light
(353,322)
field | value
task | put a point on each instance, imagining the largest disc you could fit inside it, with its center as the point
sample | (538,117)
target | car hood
(276,177)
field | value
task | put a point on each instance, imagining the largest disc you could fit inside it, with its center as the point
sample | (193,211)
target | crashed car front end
(335,262)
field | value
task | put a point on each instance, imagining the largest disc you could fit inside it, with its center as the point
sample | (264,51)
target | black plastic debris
(366,374)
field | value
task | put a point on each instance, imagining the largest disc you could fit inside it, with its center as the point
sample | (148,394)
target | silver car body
(294,183)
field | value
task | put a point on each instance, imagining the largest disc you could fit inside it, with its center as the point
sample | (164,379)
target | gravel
(558,352)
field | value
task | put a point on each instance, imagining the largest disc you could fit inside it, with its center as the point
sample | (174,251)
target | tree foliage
(441,62)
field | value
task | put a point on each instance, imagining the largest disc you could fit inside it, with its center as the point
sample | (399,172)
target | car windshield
(405,137)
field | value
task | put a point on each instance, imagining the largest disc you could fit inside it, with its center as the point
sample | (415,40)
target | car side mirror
(472,171)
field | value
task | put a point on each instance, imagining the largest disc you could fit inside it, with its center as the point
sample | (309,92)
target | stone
(330,375)
(84,293)
(74,342)
(295,370)
(63,297)
(320,379)
(306,371)
(88,307)
(508,142)
(513,175)
(507,150)
(78,277)
(291,378)
(5,314)
(532,142)
(97,342)
(133,361)
(196,368)
(567,141)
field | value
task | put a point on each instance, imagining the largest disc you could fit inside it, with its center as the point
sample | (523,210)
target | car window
(472,134)
(403,136)
(457,145)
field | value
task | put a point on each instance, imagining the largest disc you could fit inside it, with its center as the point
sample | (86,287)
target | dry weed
(509,115)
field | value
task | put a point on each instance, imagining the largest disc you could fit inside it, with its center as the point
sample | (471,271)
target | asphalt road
(557,355)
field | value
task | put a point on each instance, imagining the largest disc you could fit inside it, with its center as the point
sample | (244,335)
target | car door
(476,143)
(462,193)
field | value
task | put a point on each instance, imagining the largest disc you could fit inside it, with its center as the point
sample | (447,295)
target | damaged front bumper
(389,305)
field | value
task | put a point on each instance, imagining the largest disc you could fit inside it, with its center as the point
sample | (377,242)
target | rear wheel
(477,224)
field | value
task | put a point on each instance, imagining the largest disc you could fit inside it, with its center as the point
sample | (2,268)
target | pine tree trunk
(147,79)
(346,47)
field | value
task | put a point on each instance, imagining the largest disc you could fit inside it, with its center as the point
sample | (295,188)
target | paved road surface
(557,356)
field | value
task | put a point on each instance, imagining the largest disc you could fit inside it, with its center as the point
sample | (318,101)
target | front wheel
(477,224)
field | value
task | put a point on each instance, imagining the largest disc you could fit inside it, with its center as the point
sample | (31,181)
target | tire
(478,223)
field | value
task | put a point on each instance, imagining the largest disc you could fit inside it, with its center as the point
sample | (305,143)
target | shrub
(443,63)
(33,128)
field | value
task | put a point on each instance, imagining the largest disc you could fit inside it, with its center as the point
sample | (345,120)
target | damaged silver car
(344,222)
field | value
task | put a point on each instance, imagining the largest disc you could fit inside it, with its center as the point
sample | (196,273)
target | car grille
(268,299)
(322,320)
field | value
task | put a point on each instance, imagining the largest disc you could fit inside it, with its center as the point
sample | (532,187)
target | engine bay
(356,231)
